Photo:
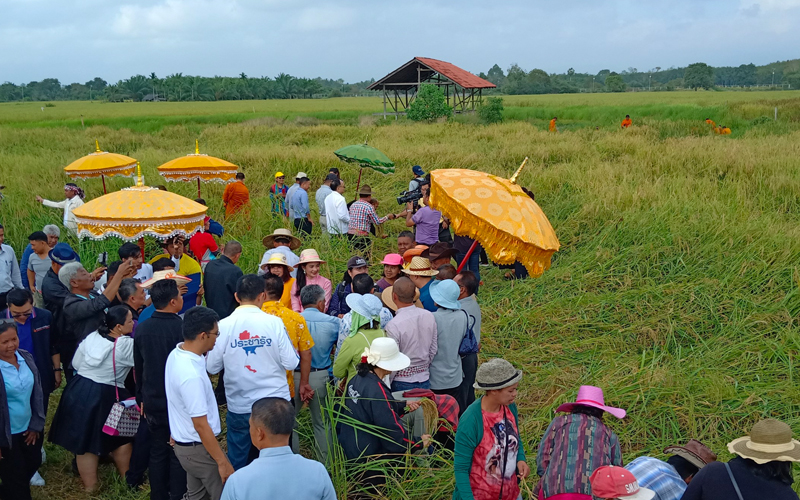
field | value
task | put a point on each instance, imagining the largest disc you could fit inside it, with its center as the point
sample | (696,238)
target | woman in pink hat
(308,274)
(575,444)
(392,264)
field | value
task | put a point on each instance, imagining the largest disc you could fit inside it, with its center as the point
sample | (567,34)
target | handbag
(123,419)
(469,344)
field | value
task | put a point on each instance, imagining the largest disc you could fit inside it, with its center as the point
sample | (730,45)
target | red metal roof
(402,77)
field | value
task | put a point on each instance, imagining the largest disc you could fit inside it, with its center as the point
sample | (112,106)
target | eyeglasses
(21,315)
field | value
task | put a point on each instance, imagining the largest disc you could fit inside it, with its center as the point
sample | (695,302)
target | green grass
(676,288)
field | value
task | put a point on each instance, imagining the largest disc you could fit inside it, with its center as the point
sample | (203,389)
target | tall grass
(676,288)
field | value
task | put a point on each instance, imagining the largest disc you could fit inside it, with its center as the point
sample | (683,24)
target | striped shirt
(573,446)
(658,476)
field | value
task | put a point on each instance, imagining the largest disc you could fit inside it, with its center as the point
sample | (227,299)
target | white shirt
(255,350)
(94,359)
(69,204)
(291,258)
(189,394)
(143,274)
(338,217)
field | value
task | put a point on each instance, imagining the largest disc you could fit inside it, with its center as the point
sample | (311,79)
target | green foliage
(699,75)
(491,111)
(334,93)
(429,105)
(615,83)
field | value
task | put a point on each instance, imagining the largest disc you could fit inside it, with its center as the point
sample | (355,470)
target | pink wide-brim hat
(589,395)
(393,259)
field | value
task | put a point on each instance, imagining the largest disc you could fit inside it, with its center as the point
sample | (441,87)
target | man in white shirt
(74,199)
(336,213)
(192,408)
(322,193)
(9,269)
(255,351)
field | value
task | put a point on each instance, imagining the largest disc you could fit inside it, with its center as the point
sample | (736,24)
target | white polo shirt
(189,394)
(255,351)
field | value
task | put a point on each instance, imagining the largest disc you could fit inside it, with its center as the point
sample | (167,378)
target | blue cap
(63,254)
(418,170)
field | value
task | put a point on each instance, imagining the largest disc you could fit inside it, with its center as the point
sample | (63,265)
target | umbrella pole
(467,256)
(358,184)
(104,183)
(198,188)
(141,246)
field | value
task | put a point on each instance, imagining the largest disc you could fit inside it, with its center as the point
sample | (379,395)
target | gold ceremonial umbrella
(498,214)
(198,166)
(135,212)
(101,164)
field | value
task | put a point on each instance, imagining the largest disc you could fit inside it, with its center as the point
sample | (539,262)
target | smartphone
(102,259)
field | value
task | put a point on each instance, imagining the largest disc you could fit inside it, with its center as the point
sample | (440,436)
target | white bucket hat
(384,353)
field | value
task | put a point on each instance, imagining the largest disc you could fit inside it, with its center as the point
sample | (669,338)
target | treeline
(179,87)
(536,81)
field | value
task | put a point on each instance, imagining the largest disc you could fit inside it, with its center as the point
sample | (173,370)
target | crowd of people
(138,344)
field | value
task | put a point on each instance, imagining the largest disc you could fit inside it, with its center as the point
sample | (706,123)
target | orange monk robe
(553,127)
(627,122)
(235,198)
(711,122)
(717,130)
(725,131)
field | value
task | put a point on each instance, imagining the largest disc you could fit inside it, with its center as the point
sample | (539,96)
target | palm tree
(286,85)
(136,87)
(153,81)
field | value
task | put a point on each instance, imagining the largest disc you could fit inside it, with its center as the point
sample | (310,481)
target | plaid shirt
(446,405)
(659,476)
(362,214)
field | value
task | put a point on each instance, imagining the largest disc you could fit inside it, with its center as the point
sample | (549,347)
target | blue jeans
(238,438)
(473,264)
(407,386)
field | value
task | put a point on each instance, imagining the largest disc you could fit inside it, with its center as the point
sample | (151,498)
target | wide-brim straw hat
(294,241)
(445,293)
(386,297)
(589,395)
(167,274)
(278,259)
(309,255)
(695,452)
(420,266)
(496,374)
(770,440)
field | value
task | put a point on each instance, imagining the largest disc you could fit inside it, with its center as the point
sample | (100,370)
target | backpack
(469,344)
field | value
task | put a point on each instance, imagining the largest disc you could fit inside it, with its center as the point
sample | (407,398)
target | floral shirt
(297,329)
(494,462)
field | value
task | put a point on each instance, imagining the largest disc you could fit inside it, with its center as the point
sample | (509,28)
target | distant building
(152,98)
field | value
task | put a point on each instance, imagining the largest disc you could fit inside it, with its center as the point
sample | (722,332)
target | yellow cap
(279,174)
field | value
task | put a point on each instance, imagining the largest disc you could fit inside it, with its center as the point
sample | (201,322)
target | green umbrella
(366,156)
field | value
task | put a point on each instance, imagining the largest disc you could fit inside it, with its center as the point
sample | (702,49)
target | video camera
(410,197)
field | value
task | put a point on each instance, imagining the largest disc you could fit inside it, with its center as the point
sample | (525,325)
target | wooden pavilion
(461,88)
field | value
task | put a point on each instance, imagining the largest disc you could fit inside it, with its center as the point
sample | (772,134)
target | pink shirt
(325,283)
(414,329)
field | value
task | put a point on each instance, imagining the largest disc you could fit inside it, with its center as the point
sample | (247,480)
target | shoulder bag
(123,419)
(469,344)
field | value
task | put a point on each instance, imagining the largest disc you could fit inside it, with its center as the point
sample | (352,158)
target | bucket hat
(63,254)
(386,297)
(367,305)
(695,452)
(393,259)
(618,482)
(441,250)
(420,266)
(496,374)
(445,293)
(309,255)
(278,259)
(294,241)
(589,395)
(384,353)
(167,274)
(770,440)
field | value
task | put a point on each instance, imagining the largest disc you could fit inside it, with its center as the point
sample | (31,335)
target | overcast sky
(76,40)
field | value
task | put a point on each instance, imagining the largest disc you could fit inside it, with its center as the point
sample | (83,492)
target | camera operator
(425,219)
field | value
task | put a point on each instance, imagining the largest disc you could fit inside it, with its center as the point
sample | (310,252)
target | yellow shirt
(286,298)
(297,328)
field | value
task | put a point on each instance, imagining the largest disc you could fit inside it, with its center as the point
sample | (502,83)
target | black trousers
(167,477)
(18,466)
(303,225)
(3,304)
(140,459)
(469,365)
(362,245)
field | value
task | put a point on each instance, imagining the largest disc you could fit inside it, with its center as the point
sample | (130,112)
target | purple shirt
(414,330)
(427,221)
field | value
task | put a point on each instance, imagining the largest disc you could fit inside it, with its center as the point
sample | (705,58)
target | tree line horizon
(514,81)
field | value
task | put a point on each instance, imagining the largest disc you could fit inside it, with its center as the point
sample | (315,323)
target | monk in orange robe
(709,121)
(236,197)
(553,127)
(627,122)
(723,130)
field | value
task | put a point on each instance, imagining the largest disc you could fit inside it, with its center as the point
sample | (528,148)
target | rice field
(676,289)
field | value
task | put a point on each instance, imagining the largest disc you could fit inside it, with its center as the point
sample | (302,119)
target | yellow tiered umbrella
(135,212)
(198,166)
(498,214)
(101,164)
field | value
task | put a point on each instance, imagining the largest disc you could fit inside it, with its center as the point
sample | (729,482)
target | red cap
(617,482)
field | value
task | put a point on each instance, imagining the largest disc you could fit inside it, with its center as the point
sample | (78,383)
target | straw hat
(309,255)
(695,452)
(167,274)
(420,266)
(278,259)
(445,294)
(386,297)
(294,242)
(384,353)
(496,374)
(770,440)
(589,395)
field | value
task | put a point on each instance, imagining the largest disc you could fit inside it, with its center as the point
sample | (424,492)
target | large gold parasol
(498,214)
(101,164)
(139,211)
(200,167)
